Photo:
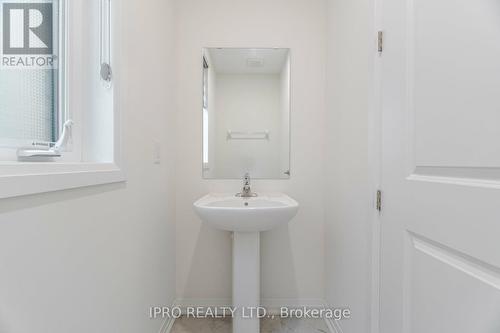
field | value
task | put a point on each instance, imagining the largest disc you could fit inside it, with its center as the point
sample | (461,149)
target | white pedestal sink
(246,217)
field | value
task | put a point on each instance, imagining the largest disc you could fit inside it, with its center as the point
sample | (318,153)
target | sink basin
(246,217)
(262,213)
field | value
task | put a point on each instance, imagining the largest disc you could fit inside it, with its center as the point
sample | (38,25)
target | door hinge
(379,200)
(380,41)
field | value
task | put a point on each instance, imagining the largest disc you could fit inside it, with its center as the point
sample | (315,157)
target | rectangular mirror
(246,113)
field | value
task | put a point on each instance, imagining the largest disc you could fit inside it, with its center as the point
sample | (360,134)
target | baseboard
(202,302)
(167,325)
(273,305)
(333,325)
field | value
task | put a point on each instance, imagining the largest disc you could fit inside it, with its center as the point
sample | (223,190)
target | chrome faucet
(247,190)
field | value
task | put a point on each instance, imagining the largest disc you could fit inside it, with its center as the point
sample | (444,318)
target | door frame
(375,167)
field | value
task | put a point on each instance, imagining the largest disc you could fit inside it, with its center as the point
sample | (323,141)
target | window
(59,119)
(32,109)
(205,113)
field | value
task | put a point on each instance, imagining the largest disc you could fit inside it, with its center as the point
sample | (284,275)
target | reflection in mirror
(246,113)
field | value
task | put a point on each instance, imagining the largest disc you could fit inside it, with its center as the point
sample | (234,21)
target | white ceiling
(236,61)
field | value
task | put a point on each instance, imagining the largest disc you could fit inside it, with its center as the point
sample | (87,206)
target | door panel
(440,240)
(444,284)
(454,73)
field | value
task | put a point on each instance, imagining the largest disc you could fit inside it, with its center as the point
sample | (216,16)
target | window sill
(18,179)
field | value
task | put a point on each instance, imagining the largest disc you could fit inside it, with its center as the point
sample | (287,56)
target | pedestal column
(246,281)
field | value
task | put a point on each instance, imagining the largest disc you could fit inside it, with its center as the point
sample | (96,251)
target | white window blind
(28,105)
(29,95)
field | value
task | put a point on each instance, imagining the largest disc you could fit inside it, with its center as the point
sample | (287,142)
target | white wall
(248,103)
(94,259)
(293,256)
(349,189)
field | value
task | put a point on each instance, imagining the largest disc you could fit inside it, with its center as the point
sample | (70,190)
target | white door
(440,241)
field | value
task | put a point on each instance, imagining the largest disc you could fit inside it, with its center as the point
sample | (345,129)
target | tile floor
(268,325)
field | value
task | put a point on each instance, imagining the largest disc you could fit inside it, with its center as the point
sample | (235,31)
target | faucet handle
(247,191)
